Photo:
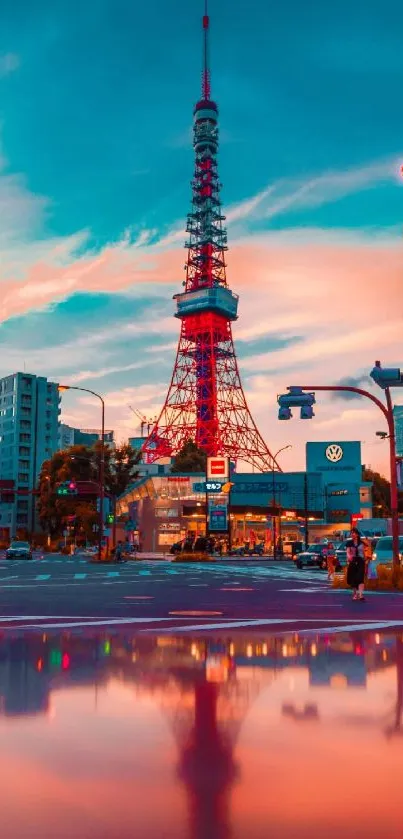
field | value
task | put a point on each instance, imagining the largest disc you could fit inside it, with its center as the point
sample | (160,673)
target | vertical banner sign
(218,518)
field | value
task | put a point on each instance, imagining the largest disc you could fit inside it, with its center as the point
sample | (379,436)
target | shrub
(193,557)
(388,578)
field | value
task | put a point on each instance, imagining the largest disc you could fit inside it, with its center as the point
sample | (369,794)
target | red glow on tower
(205,401)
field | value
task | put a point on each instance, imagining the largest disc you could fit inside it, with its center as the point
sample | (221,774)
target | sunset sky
(95,167)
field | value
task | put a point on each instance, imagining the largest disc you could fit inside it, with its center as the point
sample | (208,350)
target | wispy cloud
(363,382)
(314,191)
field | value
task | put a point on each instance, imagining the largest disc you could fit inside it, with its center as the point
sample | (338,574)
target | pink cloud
(342,300)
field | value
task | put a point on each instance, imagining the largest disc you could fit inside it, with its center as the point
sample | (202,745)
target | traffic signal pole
(387,411)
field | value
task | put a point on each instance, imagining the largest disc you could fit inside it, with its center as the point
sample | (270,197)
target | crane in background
(145,424)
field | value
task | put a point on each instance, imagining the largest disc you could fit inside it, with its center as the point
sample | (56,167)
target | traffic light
(110,518)
(296,398)
(67,488)
(386,376)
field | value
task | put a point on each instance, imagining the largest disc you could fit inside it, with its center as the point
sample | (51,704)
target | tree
(76,463)
(81,463)
(190,459)
(380,494)
(121,469)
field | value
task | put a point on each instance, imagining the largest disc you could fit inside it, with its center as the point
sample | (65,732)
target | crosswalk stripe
(42,577)
(79,576)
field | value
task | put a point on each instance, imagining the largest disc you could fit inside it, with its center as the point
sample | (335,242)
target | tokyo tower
(205,401)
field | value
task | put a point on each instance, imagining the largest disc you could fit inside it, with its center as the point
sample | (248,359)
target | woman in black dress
(356,564)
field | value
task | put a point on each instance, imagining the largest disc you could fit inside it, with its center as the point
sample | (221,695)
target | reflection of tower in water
(207,768)
(206,720)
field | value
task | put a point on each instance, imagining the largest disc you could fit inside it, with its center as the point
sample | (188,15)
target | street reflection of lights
(134,657)
(249,651)
(377,638)
(44,638)
(264,649)
(384,655)
(284,651)
(314,650)
(194,650)
(231,649)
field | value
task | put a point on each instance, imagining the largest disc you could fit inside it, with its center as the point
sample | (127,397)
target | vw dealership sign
(336,460)
(334,452)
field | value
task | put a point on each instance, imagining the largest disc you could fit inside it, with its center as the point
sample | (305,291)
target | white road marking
(304,590)
(354,627)
(87,622)
(42,577)
(113,574)
(79,576)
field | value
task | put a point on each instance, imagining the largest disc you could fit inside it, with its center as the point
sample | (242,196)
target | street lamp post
(101,462)
(274,499)
(385,378)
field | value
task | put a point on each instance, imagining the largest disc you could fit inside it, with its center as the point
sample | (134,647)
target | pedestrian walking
(330,561)
(119,552)
(356,564)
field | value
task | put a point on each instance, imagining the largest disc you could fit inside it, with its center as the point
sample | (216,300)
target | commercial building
(323,501)
(163,509)
(29,417)
(69,436)
(339,464)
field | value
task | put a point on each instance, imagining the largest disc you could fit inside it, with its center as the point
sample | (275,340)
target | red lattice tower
(205,401)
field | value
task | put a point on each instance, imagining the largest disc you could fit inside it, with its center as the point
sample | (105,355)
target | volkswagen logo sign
(334,453)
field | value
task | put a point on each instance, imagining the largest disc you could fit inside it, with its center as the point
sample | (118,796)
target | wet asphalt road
(63,591)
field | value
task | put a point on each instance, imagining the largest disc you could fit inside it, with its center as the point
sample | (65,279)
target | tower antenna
(206,88)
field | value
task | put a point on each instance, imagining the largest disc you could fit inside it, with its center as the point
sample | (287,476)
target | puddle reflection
(122,736)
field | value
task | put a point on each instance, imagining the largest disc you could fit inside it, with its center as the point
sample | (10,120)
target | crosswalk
(196,575)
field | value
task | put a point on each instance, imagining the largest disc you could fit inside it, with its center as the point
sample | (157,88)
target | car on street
(315,555)
(341,554)
(19,550)
(383,550)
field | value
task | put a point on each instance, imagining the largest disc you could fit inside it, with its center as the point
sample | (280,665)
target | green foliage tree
(81,463)
(381,494)
(190,459)
(121,468)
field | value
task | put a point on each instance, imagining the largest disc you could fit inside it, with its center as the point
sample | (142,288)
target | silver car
(383,550)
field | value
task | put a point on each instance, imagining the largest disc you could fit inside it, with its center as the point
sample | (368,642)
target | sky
(95,166)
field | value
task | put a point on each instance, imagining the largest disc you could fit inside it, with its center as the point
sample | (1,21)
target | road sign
(217,468)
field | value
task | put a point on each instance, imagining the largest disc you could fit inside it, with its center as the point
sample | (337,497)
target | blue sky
(95,113)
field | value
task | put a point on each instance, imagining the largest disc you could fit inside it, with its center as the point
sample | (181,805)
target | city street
(56,591)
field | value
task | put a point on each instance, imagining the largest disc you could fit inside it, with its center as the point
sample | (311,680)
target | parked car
(19,550)
(315,555)
(383,550)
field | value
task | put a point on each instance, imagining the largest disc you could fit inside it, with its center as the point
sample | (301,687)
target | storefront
(168,508)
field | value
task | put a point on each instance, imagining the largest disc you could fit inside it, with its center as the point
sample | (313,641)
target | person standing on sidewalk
(356,564)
